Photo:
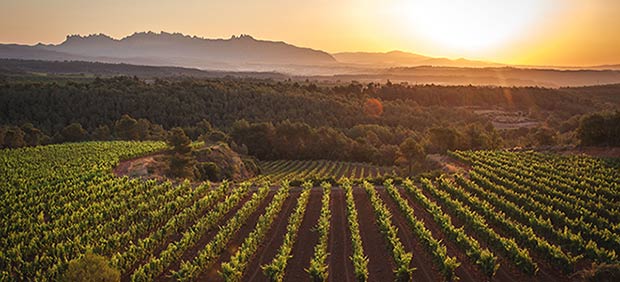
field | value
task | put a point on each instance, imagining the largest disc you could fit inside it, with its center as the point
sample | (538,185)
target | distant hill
(172,49)
(14,51)
(404,59)
(496,76)
(607,67)
(17,67)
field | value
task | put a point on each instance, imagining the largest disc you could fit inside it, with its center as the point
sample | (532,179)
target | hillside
(498,76)
(15,69)
(18,69)
(487,224)
(404,59)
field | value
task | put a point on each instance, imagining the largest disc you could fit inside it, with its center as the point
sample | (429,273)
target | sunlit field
(310,141)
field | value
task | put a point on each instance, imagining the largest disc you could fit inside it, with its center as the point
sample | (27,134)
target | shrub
(91,268)
(208,171)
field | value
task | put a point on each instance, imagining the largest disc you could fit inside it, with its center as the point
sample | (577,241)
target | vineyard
(511,217)
(276,171)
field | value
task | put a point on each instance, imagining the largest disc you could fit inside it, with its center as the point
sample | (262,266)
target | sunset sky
(536,32)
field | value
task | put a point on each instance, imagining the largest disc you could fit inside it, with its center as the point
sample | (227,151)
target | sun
(471,26)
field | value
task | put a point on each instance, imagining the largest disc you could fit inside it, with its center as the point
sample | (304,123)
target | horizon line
(241,35)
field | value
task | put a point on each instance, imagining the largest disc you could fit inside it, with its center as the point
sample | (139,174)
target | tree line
(51,106)
(291,120)
(282,140)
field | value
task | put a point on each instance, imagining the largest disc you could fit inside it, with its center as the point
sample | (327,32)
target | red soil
(340,249)
(137,167)
(381,263)
(449,164)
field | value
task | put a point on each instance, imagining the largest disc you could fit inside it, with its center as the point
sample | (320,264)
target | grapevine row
(205,258)
(360,261)
(175,250)
(275,270)
(232,271)
(574,242)
(383,216)
(521,232)
(484,258)
(447,264)
(318,268)
(145,247)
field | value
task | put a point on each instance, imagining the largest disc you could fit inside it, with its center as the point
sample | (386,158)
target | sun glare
(472,26)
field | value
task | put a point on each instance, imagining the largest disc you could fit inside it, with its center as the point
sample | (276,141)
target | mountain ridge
(242,52)
(237,53)
(171,49)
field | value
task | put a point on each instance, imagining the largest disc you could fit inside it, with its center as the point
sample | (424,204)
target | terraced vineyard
(276,171)
(512,217)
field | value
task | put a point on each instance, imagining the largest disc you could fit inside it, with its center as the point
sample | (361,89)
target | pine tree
(411,152)
(182,161)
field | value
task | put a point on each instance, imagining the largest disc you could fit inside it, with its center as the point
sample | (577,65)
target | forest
(287,119)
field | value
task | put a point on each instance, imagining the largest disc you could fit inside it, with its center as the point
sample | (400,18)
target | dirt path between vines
(426,269)
(340,250)
(381,263)
(234,243)
(272,241)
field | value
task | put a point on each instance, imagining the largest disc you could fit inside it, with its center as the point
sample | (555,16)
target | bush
(208,171)
(600,129)
(91,268)
(12,137)
(73,133)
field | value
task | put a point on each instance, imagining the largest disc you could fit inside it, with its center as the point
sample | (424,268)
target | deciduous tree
(74,133)
(91,268)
